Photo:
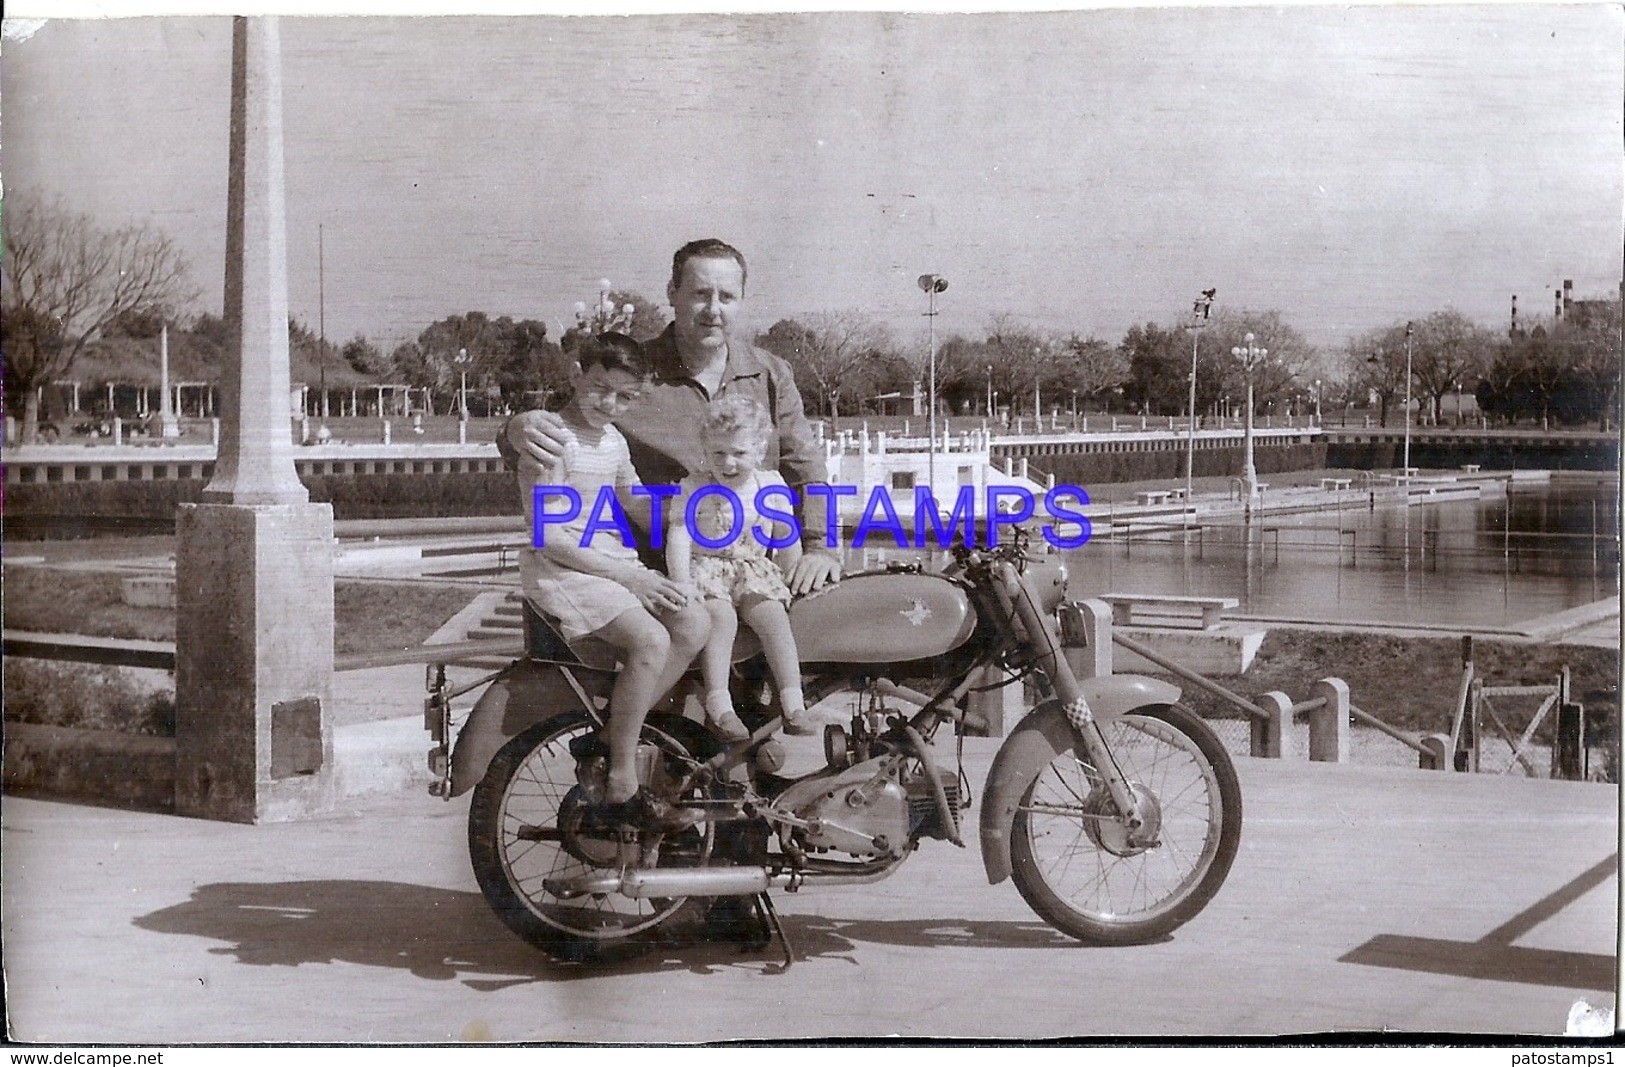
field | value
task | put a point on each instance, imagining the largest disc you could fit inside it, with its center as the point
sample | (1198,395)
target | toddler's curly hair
(737,413)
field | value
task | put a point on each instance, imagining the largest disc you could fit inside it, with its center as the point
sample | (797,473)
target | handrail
(1371,720)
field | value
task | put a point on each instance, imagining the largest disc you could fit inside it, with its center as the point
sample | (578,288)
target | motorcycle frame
(1011,634)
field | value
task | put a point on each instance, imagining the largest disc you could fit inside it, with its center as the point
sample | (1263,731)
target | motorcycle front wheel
(528,834)
(1076,865)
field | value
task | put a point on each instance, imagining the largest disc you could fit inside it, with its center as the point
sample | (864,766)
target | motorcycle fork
(1055,669)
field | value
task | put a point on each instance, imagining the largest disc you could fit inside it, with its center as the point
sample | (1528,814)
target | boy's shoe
(728,726)
(645,811)
(796,724)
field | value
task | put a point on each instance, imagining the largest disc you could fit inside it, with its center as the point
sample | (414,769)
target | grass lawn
(1408,682)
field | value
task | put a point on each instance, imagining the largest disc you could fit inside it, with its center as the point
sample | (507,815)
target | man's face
(706,304)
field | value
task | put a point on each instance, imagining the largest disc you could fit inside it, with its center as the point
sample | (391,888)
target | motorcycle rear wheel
(525,829)
(1072,860)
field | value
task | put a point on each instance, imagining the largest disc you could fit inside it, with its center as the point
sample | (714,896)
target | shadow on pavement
(447,934)
(1494,956)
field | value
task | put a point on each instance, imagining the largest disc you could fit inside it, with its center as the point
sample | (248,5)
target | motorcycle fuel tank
(882,618)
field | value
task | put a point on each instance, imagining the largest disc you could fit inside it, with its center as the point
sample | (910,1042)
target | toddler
(739,580)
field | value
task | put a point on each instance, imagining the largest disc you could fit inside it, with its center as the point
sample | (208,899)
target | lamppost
(322,432)
(462,361)
(604,315)
(1317,401)
(1199,314)
(931,285)
(990,392)
(1250,355)
(1407,402)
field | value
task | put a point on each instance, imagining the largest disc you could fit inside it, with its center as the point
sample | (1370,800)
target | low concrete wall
(125,770)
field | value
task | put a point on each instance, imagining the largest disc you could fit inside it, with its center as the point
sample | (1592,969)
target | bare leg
(717,658)
(645,646)
(772,624)
(689,630)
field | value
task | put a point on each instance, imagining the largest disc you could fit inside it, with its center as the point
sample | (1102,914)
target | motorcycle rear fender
(524,694)
(1041,737)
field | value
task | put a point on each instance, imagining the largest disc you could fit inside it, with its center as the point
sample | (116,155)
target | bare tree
(1090,366)
(65,279)
(1280,374)
(828,349)
(1596,352)
(1022,357)
(1447,350)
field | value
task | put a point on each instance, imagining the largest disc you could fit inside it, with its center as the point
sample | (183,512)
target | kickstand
(770,918)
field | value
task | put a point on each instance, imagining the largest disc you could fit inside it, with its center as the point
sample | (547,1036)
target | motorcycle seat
(544,642)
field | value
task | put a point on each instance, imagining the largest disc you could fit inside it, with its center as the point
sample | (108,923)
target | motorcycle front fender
(1039,738)
(524,694)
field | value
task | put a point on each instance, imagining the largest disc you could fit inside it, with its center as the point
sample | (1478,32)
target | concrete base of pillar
(254,661)
(1227,649)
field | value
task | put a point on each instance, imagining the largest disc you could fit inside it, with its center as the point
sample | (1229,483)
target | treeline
(85,302)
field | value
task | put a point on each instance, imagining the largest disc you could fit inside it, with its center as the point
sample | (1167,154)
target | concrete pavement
(1362,899)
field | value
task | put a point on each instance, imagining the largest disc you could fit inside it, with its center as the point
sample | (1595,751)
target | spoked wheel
(533,844)
(1076,864)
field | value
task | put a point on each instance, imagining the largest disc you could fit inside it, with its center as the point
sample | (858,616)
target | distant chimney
(1512,331)
(1568,295)
(1557,303)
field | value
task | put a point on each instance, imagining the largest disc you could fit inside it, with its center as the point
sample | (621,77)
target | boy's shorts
(581,603)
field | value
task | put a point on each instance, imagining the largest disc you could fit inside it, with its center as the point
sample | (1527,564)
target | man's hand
(815,569)
(537,436)
(657,593)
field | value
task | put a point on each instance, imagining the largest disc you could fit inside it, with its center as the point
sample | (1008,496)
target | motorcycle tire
(1072,860)
(526,825)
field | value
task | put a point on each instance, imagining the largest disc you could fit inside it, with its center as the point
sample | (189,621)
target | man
(703,355)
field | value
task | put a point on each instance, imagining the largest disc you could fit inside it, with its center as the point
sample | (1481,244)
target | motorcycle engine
(866,811)
(862,811)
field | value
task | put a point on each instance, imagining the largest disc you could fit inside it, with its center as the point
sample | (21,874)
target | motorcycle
(1115,810)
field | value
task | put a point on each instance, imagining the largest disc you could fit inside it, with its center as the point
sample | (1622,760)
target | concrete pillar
(462,431)
(169,426)
(1269,735)
(1086,637)
(1329,724)
(254,560)
(1438,753)
(214,431)
(118,430)
(386,431)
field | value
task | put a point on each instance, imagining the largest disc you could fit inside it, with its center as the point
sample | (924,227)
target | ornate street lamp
(1251,356)
(931,285)
(604,316)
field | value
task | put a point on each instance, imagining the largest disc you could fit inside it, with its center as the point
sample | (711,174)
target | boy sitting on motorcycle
(598,587)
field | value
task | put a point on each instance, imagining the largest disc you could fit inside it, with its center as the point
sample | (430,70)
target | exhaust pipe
(669,882)
(700,881)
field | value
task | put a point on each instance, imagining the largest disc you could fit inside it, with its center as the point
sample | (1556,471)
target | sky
(1350,167)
